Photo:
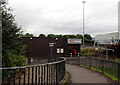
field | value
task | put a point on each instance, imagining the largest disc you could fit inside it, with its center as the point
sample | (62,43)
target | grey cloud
(65,16)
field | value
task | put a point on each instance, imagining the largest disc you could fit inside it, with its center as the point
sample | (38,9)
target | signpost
(51,45)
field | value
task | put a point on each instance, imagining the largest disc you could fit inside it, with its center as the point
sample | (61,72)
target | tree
(87,36)
(29,35)
(51,35)
(78,36)
(42,35)
(12,49)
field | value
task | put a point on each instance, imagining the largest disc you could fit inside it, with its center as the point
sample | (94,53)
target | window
(60,50)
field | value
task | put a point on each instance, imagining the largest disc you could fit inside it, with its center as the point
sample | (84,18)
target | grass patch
(85,66)
(96,69)
(106,74)
(66,78)
(113,78)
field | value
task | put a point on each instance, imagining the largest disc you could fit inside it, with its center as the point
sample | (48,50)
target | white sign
(51,44)
(74,41)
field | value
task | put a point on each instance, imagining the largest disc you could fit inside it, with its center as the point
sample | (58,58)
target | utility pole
(83,21)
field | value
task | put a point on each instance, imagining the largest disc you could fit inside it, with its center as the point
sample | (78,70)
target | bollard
(71,54)
(78,54)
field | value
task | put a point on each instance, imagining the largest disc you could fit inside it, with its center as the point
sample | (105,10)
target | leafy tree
(12,49)
(42,35)
(78,36)
(29,35)
(51,35)
(60,36)
(88,41)
(87,36)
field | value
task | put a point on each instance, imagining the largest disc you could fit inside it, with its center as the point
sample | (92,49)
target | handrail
(108,67)
(52,72)
(12,68)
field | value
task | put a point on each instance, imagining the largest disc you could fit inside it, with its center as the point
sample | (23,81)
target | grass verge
(66,79)
(106,74)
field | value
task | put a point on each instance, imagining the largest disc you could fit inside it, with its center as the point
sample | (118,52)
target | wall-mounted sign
(74,41)
(51,44)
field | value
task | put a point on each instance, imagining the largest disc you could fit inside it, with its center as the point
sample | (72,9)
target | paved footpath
(86,75)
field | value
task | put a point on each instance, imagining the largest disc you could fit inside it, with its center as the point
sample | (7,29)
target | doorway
(74,49)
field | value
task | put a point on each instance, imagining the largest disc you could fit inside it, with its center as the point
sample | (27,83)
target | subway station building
(40,47)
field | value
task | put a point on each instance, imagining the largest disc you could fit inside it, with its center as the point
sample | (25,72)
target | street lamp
(83,21)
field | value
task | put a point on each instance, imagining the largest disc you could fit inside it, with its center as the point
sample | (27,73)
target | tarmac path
(86,75)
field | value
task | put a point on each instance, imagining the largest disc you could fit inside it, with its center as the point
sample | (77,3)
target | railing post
(103,66)
(56,74)
(47,74)
(24,75)
(28,74)
(39,76)
(32,75)
(14,76)
(90,62)
(51,70)
(9,78)
(44,74)
(19,76)
(64,67)
(118,72)
(36,75)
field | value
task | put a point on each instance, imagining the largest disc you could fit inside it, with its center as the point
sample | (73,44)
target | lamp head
(83,1)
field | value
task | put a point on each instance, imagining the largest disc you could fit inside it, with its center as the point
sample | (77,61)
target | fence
(107,67)
(52,72)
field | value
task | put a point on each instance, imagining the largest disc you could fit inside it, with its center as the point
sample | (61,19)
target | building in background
(110,38)
(44,47)
(119,18)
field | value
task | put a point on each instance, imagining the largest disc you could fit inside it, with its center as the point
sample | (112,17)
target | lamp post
(83,21)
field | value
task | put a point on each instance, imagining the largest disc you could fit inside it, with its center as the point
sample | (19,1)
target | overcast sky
(65,16)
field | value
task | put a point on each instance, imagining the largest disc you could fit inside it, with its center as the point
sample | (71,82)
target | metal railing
(107,67)
(49,73)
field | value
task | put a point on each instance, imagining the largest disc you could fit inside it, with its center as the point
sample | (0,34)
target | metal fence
(49,73)
(107,67)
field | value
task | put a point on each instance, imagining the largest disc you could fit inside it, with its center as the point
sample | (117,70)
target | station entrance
(74,45)
(74,49)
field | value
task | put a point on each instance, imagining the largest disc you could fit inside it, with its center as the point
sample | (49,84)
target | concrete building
(110,38)
(119,18)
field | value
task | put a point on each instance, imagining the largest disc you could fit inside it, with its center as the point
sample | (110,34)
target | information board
(74,41)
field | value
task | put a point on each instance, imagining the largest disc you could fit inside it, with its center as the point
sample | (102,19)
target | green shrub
(87,51)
